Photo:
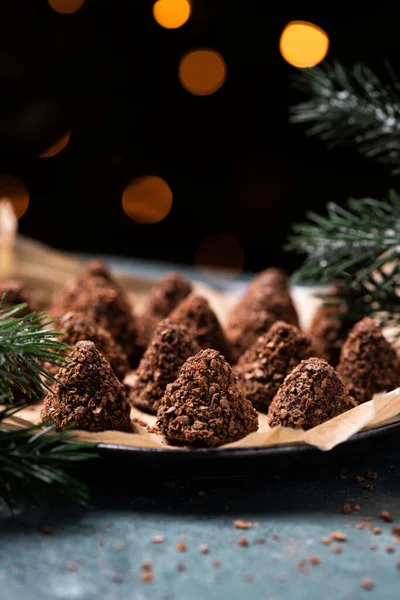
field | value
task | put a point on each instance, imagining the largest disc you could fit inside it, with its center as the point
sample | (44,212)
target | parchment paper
(47,270)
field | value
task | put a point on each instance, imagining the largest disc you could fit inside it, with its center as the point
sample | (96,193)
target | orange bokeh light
(220,251)
(202,72)
(147,199)
(11,188)
(303,44)
(171,14)
(66,7)
(57,147)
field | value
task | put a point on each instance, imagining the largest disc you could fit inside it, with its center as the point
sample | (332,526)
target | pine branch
(25,343)
(352,107)
(357,249)
(33,463)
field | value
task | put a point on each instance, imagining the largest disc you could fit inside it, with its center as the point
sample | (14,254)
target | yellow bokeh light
(220,251)
(171,14)
(147,199)
(202,72)
(66,7)
(57,147)
(303,44)
(11,188)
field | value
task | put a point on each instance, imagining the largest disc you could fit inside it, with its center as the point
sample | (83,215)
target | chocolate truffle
(310,395)
(88,394)
(78,327)
(264,366)
(110,309)
(195,312)
(171,345)
(271,277)
(368,363)
(329,328)
(254,314)
(205,405)
(16,293)
(163,298)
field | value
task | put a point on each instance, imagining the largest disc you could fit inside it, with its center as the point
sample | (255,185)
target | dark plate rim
(223,453)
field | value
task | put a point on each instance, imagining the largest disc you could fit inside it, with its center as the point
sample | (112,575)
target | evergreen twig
(351,107)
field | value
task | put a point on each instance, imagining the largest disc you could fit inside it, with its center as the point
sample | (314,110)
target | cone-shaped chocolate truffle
(329,328)
(78,327)
(368,363)
(16,293)
(205,405)
(264,366)
(310,395)
(196,312)
(163,298)
(88,393)
(254,314)
(171,345)
(109,309)
(272,277)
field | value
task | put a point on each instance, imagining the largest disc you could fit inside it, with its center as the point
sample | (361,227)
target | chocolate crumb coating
(195,312)
(164,297)
(171,345)
(310,395)
(77,327)
(205,406)
(329,328)
(88,394)
(368,363)
(254,314)
(16,294)
(264,366)
(110,309)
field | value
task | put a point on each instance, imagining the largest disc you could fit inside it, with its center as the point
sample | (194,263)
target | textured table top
(107,551)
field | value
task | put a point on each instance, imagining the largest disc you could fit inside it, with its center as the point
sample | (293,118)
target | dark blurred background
(109,74)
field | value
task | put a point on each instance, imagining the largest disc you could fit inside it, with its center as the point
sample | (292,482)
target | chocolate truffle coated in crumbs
(16,294)
(171,345)
(264,366)
(110,309)
(329,328)
(272,277)
(254,314)
(205,405)
(196,313)
(77,327)
(164,297)
(368,363)
(310,395)
(88,394)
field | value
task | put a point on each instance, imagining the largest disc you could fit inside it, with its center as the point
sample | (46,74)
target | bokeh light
(303,44)
(66,7)
(147,199)
(220,251)
(202,72)
(11,188)
(171,14)
(57,147)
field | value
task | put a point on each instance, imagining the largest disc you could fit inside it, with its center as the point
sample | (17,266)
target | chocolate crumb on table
(120,547)
(242,541)
(239,524)
(377,531)
(386,516)
(314,560)
(180,567)
(204,405)
(204,548)
(147,572)
(171,345)
(264,366)
(346,509)
(260,540)
(338,536)
(310,395)
(196,313)
(216,562)
(396,530)
(367,583)
(164,297)
(181,547)
(390,549)
(372,475)
(337,550)
(368,363)
(88,394)
(157,539)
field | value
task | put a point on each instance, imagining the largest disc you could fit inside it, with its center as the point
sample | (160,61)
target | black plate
(248,461)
